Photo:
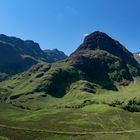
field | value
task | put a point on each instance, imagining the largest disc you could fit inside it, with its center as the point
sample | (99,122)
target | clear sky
(62,24)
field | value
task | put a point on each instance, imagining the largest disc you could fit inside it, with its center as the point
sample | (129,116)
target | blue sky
(62,23)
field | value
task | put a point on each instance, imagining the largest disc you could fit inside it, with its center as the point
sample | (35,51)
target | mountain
(102,58)
(17,55)
(137,57)
(99,63)
(54,55)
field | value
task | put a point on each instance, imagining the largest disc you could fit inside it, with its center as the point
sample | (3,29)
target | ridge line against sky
(63,24)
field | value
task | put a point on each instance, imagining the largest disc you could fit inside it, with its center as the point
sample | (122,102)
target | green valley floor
(105,116)
(95,122)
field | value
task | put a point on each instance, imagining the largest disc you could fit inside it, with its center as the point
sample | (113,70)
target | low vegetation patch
(96,108)
(3,138)
(133,105)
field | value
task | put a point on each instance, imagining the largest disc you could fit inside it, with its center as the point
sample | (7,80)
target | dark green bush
(116,103)
(133,105)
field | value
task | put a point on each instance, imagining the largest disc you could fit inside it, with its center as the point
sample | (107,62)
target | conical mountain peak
(102,42)
(97,35)
(99,40)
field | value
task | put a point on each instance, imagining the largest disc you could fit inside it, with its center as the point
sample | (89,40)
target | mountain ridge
(54,55)
(17,55)
(86,71)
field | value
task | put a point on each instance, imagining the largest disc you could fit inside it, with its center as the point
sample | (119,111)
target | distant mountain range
(100,62)
(17,55)
(54,55)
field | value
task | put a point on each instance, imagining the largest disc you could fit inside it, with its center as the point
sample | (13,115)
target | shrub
(116,103)
(133,105)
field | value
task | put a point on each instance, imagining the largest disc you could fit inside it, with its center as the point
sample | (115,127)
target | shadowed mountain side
(17,55)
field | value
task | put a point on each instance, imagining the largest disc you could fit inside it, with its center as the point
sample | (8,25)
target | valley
(66,119)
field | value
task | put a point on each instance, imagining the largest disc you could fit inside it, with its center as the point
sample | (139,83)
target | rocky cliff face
(137,57)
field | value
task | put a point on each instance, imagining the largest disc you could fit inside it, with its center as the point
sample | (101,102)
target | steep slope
(104,60)
(99,63)
(137,57)
(17,55)
(54,55)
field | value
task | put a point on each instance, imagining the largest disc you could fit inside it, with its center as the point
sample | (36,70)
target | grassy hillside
(30,89)
(95,121)
(77,115)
